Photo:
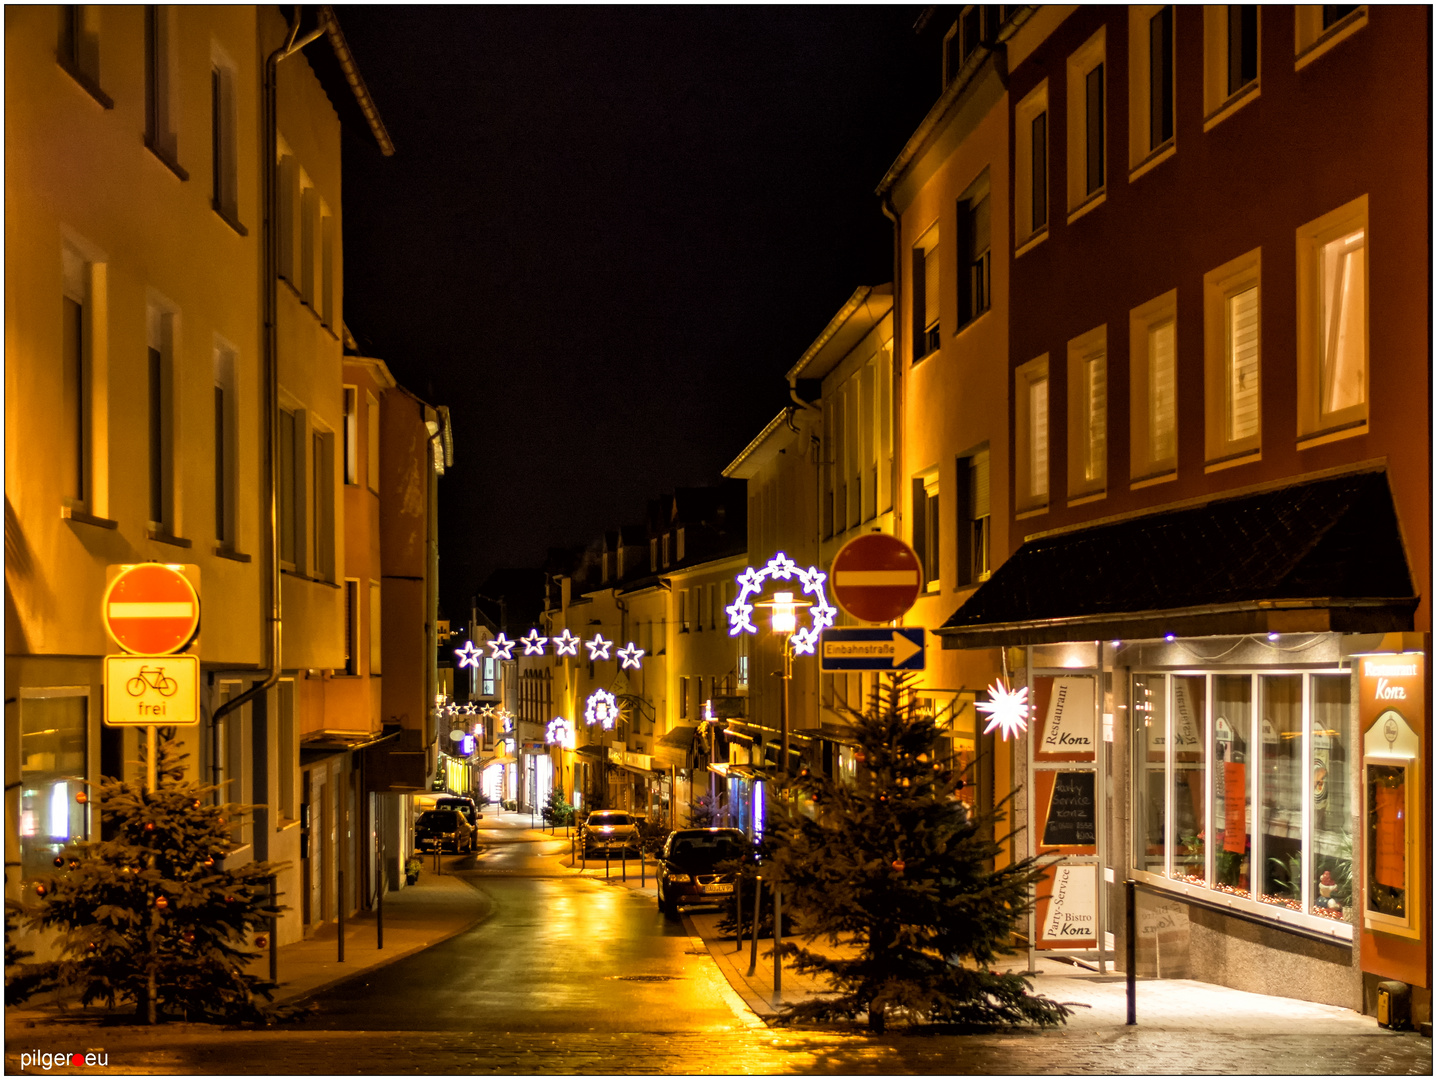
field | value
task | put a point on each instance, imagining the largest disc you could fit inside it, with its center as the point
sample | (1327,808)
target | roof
(853,321)
(763,449)
(338,73)
(1316,556)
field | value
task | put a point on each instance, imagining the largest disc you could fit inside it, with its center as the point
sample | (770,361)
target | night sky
(605,236)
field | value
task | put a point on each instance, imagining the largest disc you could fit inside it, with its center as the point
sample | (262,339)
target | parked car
(445,829)
(463,804)
(689,871)
(610,831)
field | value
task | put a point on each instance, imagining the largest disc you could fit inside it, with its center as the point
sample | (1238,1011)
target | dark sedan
(445,829)
(699,866)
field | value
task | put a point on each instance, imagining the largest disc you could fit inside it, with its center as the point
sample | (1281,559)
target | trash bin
(1394,1005)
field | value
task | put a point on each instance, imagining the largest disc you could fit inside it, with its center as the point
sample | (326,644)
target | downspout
(892,215)
(269,122)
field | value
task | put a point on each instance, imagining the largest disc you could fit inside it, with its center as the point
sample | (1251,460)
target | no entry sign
(151,609)
(876,577)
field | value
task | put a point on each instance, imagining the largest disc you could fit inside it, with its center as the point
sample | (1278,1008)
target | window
(713,613)
(1233,351)
(1087,143)
(160,111)
(1321,26)
(321,494)
(925,294)
(290,486)
(1088,413)
(1150,83)
(160,332)
(1332,322)
(1030,162)
(974,518)
(78,50)
(375,628)
(683,611)
(1152,331)
(327,283)
(884,485)
(287,196)
(926,528)
(372,449)
(224,144)
(351,435)
(974,290)
(1244,789)
(1230,60)
(679,544)
(53,738)
(226,449)
(308,211)
(683,697)
(1030,387)
(351,626)
(865,478)
(75,361)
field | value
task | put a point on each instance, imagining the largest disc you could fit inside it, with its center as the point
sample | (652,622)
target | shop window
(925,294)
(1231,51)
(1088,414)
(1030,185)
(1332,345)
(53,768)
(1150,84)
(1087,134)
(1030,385)
(1152,369)
(1232,345)
(1321,26)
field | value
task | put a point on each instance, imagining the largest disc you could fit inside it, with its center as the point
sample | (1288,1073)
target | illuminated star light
(1007,710)
(468,655)
(503,647)
(598,647)
(602,708)
(631,656)
(533,643)
(560,732)
(566,644)
(487,711)
(470,709)
(750,582)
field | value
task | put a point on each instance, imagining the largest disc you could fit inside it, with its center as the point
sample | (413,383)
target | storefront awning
(1326,555)
(681,737)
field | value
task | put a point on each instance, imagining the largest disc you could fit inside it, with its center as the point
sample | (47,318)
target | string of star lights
(782,568)
(502,647)
(566,644)
(631,656)
(533,643)
(468,655)
(598,647)
(560,732)
(602,708)
(1006,709)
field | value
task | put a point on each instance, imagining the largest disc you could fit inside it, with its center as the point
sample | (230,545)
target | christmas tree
(894,870)
(149,915)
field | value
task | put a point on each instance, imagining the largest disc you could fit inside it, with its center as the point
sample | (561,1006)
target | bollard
(342,906)
(753,937)
(1132,943)
(777,938)
(607,853)
(624,865)
(643,869)
(738,913)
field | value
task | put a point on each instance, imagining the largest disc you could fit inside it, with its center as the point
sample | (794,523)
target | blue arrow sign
(873,648)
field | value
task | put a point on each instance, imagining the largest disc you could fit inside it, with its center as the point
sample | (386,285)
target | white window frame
(932,533)
(1219,287)
(1145,466)
(1088,416)
(1142,156)
(1029,499)
(1314,425)
(1092,53)
(1218,104)
(1032,106)
(1312,41)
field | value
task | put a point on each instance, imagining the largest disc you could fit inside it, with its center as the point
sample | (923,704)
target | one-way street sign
(873,648)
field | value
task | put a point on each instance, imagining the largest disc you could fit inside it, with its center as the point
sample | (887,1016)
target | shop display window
(1268,824)
(52,773)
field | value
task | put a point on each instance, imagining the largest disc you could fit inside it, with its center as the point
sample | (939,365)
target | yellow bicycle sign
(152,690)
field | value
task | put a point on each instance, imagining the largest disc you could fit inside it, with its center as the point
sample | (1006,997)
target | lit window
(1031,403)
(1233,349)
(1088,413)
(1332,322)
(1153,373)
(52,767)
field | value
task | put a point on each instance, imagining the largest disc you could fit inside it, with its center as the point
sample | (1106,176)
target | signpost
(864,648)
(876,577)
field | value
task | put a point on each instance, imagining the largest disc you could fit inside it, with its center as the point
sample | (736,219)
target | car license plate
(718,888)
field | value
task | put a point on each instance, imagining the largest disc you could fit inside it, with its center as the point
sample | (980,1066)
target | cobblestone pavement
(186,1049)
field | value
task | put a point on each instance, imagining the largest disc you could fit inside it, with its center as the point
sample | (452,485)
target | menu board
(1072,811)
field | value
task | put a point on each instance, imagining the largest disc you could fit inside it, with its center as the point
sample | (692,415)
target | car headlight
(680,878)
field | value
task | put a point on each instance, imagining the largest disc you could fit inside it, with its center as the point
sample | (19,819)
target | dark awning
(681,737)
(1321,556)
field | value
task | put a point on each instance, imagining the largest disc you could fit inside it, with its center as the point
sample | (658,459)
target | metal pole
(643,868)
(273,930)
(382,875)
(777,939)
(342,906)
(1132,935)
(152,779)
(783,779)
(753,937)
(738,913)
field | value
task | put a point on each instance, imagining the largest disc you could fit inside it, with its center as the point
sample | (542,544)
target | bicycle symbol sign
(145,690)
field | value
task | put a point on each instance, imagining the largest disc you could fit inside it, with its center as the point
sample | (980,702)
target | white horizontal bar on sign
(176,609)
(876,577)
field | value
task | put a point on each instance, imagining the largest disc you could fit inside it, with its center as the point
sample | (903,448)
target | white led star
(560,731)
(468,655)
(566,644)
(487,711)
(598,647)
(1007,710)
(502,647)
(630,656)
(470,709)
(601,708)
(533,643)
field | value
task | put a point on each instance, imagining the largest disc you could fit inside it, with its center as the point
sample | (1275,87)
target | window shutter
(1162,393)
(1243,371)
(930,287)
(1097,380)
(1038,419)
(1344,329)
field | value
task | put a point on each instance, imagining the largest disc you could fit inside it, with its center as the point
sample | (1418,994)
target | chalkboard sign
(1072,814)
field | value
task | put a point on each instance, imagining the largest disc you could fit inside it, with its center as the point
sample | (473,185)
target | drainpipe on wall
(892,215)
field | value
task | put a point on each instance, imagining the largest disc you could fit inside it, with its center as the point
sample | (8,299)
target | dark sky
(605,236)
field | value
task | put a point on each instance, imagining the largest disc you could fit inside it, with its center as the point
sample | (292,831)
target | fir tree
(894,869)
(149,916)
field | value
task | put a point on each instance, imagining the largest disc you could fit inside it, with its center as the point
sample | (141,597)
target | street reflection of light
(60,811)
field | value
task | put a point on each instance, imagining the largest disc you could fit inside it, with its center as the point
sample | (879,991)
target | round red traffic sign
(151,609)
(876,577)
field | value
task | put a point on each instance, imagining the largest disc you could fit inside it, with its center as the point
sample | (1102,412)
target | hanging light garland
(782,568)
(468,655)
(631,656)
(602,708)
(533,643)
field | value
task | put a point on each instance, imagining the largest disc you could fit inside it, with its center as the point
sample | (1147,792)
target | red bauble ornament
(59,860)
(189,938)
(261,941)
(859,756)
(149,826)
(195,805)
(81,797)
(229,899)
(40,890)
(209,862)
(899,864)
(161,902)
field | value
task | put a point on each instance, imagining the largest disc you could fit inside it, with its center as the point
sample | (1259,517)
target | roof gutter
(330,26)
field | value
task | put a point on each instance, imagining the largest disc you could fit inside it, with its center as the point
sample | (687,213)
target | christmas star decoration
(487,711)
(468,655)
(1006,709)
(502,647)
(630,656)
(533,643)
(560,731)
(598,647)
(566,644)
(602,708)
